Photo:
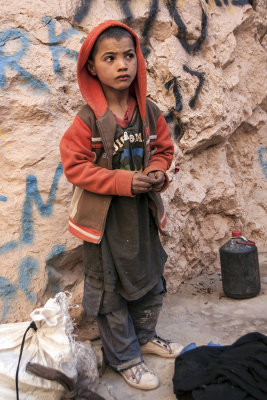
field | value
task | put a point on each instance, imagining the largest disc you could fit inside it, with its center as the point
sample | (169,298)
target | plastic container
(240,267)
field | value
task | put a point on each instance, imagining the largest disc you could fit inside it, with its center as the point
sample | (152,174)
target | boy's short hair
(114,32)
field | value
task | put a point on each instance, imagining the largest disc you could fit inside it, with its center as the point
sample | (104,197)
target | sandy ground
(198,313)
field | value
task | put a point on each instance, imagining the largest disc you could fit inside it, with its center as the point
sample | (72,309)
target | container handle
(248,243)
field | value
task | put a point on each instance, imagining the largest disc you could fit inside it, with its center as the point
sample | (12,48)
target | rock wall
(206,62)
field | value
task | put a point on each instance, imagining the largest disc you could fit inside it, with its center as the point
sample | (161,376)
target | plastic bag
(52,345)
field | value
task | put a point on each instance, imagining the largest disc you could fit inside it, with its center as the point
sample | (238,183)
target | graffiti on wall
(82,10)
(263,160)
(13,60)
(45,209)
(182,35)
(221,3)
(4,138)
(55,43)
(57,48)
(191,48)
(28,266)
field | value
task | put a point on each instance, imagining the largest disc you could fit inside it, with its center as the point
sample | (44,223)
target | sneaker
(162,348)
(140,377)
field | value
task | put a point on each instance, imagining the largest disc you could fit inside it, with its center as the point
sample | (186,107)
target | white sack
(51,346)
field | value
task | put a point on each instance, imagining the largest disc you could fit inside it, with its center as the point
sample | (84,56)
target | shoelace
(162,343)
(137,372)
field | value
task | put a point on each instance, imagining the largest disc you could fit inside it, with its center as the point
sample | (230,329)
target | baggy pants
(125,325)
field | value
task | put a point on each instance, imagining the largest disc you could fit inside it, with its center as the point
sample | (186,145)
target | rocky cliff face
(206,63)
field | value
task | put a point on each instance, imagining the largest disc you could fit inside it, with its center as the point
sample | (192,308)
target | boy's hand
(159,180)
(142,183)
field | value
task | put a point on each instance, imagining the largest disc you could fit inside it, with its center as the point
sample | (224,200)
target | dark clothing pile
(235,372)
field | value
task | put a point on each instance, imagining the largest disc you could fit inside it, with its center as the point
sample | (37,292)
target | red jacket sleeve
(79,166)
(161,157)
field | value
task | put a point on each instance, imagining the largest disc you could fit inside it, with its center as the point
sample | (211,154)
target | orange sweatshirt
(87,146)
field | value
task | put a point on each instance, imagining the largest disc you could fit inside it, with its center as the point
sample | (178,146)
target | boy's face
(114,64)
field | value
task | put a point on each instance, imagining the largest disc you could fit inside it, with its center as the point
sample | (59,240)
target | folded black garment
(235,372)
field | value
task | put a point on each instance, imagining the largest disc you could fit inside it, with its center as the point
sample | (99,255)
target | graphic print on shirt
(128,151)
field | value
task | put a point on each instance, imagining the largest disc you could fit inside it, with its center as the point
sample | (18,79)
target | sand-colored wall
(206,63)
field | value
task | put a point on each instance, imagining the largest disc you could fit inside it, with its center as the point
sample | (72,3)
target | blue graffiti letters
(56,250)
(28,265)
(33,196)
(7,292)
(12,245)
(55,43)
(27,268)
(263,160)
(12,61)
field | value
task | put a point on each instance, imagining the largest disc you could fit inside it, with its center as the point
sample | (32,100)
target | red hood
(90,87)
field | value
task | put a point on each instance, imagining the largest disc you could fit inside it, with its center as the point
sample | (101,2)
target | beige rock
(212,86)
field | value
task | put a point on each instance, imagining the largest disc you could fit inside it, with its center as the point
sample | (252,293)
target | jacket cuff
(124,183)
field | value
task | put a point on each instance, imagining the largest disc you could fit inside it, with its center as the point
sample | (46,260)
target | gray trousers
(125,325)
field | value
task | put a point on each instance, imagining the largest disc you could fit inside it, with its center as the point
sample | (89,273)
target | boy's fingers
(154,181)
(141,183)
(157,188)
(145,178)
(159,180)
(152,175)
(159,176)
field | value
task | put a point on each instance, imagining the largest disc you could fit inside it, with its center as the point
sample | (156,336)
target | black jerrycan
(240,267)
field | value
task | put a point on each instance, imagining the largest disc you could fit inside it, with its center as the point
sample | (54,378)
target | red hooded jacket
(87,147)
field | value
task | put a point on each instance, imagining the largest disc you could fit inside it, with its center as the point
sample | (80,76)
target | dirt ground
(198,313)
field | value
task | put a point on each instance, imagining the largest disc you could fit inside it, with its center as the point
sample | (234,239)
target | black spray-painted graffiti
(57,48)
(154,8)
(182,37)
(200,77)
(173,83)
(237,3)
(182,31)
(82,10)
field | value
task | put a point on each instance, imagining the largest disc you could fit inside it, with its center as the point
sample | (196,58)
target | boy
(116,154)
